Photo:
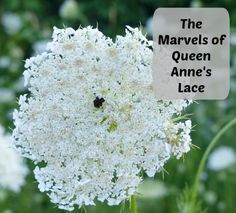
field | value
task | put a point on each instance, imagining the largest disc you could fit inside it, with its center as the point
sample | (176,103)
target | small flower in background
(40,46)
(204,176)
(6,95)
(152,189)
(221,158)
(16,53)
(149,26)
(196,3)
(18,86)
(69,9)
(233,39)
(210,197)
(12,168)
(221,206)
(7,211)
(5,62)
(93,119)
(11,22)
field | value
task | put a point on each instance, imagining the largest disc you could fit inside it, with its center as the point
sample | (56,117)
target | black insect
(71,35)
(98,102)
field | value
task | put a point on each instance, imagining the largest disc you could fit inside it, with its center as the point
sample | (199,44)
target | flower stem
(204,159)
(133,206)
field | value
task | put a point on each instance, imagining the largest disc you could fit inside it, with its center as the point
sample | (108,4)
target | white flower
(11,22)
(93,119)
(221,158)
(12,168)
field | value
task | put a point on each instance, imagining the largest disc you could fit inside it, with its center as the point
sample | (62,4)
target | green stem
(133,206)
(204,159)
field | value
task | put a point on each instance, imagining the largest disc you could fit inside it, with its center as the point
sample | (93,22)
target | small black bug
(98,102)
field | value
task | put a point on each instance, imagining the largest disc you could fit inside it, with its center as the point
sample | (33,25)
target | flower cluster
(12,168)
(92,120)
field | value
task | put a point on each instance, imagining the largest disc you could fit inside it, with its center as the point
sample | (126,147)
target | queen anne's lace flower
(12,168)
(92,117)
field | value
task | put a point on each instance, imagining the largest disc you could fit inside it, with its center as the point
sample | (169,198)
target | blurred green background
(25,28)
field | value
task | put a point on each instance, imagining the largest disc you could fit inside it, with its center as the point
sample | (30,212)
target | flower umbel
(93,119)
